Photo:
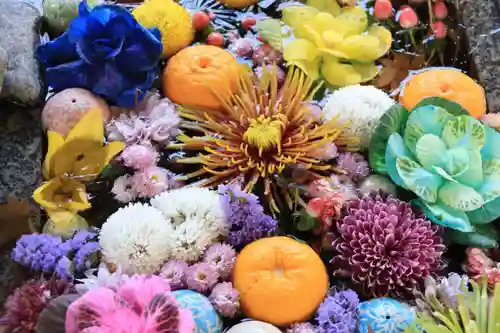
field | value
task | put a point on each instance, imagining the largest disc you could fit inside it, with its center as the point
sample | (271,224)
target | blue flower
(107,51)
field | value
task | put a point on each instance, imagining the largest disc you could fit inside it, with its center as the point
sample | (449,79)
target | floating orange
(196,72)
(280,280)
(448,83)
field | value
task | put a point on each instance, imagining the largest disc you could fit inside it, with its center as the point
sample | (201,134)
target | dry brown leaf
(396,68)
(15,220)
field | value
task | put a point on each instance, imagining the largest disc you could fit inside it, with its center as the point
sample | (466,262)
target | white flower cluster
(179,224)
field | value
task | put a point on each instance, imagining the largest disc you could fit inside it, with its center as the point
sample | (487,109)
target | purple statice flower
(225,299)
(81,237)
(201,277)
(354,164)
(174,272)
(339,312)
(64,268)
(245,216)
(222,258)
(39,252)
(83,258)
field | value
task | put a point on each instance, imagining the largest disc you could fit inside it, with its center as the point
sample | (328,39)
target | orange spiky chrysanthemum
(258,131)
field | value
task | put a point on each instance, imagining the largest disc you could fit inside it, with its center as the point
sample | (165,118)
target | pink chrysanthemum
(225,299)
(385,246)
(139,157)
(221,257)
(153,181)
(354,164)
(302,328)
(174,272)
(201,277)
(124,189)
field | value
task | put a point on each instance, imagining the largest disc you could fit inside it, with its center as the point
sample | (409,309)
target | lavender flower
(339,313)
(221,257)
(83,258)
(201,277)
(40,252)
(64,268)
(245,215)
(81,237)
(302,328)
(225,299)
(174,272)
(354,164)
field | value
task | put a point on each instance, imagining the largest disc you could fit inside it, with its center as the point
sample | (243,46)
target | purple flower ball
(174,272)
(225,299)
(339,313)
(201,277)
(221,257)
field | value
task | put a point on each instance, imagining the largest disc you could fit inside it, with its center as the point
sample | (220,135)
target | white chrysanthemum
(197,217)
(362,106)
(136,238)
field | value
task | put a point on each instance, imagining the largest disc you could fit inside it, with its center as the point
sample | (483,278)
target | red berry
(382,9)
(215,39)
(439,29)
(440,10)
(248,22)
(407,18)
(200,20)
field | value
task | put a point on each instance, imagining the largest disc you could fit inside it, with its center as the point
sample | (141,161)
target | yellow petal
(352,21)
(295,16)
(311,68)
(44,194)
(63,222)
(113,148)
(90,127)
(384,36)
(61,193)
(55,142)
(300,49)
(341,75)
(78,158)
(364,48)
(329,6)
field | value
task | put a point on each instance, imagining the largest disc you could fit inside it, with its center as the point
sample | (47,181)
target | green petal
(472,175)
(485,236)
(328,6)
(395,148)
(393,120)
(487,213)
(490,188)
(270,30)
(456,161)
(460,196)
(428,119)
(490,149)
(444,215)
(464,131)
(452,107)
(418,180)
(430,151)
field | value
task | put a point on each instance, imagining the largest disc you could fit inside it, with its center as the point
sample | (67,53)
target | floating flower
(360,107)
(154,180)
(479,265)
(259,144)
(225,299)
(97,51)
(136,238)
(201,277)
(124,189)
(245,216)
(222,258)
(354,164)
(103,278)
(385,247)
(174,272)
(339,313)
(81,156)
(197,218)
(139,157)
(445,290)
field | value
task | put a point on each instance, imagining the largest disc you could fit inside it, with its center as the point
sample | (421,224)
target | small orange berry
(215,39)
(407,18)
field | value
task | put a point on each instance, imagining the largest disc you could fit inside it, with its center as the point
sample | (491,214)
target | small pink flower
(242,47)
(123,189)
(139,157)
(153,181)
(326,151)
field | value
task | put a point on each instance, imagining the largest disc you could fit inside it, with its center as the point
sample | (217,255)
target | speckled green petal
(424,183)
(430,151)
(444,216)
(464,131)
(395,148)
(490,149)
(485,214)
(459,196)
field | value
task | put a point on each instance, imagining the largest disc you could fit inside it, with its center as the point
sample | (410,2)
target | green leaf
(488,212)
(484,236)
(270,30)
(430,151)
(395,148)
(464,131)
(306,222)
(444,216)
(393,120)
(452,107)
(459,196)
(424,183)
(428,119)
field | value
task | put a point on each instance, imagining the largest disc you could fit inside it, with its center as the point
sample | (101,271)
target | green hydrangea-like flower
(447,158)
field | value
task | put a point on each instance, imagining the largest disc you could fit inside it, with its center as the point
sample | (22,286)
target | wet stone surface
(482,21)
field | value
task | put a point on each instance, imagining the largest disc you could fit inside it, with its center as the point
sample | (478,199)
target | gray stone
(482,21)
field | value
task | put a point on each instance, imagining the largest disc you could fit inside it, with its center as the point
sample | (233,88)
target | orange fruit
(195,74)
(280,280)
(447,83)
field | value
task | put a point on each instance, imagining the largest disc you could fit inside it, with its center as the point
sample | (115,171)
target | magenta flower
(222,258)
(174,272)
(225,299)
(139,157)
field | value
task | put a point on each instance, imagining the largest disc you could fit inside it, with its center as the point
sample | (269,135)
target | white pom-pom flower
(362,106)
(136,238)
(196,217)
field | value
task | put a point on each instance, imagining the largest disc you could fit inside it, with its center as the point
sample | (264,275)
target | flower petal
(44,194)
(60,50)
(341,75)
(327,6)
(430,151)
(445,216)
(90,128)
(459,196)
(395,148)
(55,142)
(419,180)
(464,131)
(78,158)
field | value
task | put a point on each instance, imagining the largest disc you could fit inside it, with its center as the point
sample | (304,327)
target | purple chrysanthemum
(174,272)
(225,299)
(339,313)
(385,246)
(201,277)
(354,164)
(222,258)
(246,216)
(303,328)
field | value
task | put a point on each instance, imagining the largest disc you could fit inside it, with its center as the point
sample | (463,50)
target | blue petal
(57,52)
(443,215)
(490,149)
(69,75)
(395,148)
(83,8)
(144,50)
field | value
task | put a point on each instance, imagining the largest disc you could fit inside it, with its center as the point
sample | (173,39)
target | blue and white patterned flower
(384,315)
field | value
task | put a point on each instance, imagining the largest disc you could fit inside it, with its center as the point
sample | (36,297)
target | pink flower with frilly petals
(139,157)
(479,264)
(153,181)
(123,189)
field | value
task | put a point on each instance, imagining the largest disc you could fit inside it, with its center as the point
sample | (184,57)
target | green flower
(447,158)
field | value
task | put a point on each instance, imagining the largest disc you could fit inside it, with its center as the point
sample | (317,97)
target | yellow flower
(336,41)
(82,154)
(62,193)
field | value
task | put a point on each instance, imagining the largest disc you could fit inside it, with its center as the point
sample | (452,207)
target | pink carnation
(139,157)
(123,189)
(153,181)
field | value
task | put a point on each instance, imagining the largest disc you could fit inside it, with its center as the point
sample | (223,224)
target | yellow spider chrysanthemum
(259,131)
